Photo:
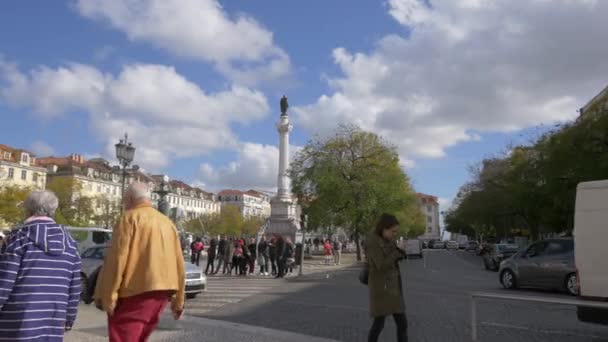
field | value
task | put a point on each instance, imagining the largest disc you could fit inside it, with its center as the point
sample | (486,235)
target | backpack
(336,246)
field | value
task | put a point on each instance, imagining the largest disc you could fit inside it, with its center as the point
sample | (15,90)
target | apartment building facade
(20,167)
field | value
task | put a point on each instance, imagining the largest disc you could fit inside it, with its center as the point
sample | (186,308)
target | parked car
(496,254)
(92,260)
(471,246)
(439,245)
(90,236)
(413,247)
(430,244)
(547,264)
(452,245)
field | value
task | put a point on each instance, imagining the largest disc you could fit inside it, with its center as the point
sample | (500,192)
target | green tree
(73,208)
(11,196)
(108,211)
(349,179)
(252,224)
(231,220)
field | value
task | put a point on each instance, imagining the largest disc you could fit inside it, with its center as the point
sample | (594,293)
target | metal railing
(520,298)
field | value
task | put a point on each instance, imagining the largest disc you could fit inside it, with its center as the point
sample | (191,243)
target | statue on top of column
(284,105)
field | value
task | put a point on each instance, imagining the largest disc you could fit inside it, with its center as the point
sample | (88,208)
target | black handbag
(364,275)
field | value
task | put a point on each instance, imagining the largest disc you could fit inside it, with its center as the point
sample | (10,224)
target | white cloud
(165,115)
(256,167)
(240,47)
(465,68)
(42,149)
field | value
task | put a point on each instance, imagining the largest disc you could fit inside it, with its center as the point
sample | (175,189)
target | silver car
(547,264)
(92,260)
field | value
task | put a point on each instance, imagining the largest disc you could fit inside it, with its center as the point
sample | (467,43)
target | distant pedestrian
(196,248)
(263,256)
(327,252)
(272,255)
(221,252)
(142,270)
(2,244)
(317,242)
(337,251)
(289,255)
(228,256)
(252,247)
(211,252)
(281,259)
(40,276)
(385,295)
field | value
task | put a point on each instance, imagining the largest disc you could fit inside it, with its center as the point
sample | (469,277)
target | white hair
(137,192)
(41,203)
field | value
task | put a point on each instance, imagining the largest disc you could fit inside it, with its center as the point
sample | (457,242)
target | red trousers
(135,318)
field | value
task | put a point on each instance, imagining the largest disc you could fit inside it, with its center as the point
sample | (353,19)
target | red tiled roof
(427,198)
(15,152)
(229,192)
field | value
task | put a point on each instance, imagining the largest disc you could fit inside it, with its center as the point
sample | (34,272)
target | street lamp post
(125,152)
(162,191)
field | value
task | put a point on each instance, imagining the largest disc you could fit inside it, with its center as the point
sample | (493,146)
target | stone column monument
(284,218)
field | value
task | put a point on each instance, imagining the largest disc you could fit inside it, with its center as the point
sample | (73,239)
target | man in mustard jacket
(143,269)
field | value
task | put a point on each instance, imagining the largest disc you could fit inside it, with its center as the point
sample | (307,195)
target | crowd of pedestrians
(270,256)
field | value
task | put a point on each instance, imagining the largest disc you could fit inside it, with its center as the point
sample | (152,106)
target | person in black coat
(252,247)
(272,254)
(263,256)
(211,252)
(221,252)
(281,260)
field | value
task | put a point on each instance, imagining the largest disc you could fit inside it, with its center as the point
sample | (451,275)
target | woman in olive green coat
(385,296)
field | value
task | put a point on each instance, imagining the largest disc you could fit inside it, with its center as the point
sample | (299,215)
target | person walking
(281,260)
(327,252)
(384,282)
(337,251)
(228,257)
(211,256)
(2,244)
(221,252)
(289,255)
(142,270)
(252,248)
(40,272)
(196,248)
(272,255)
(263,256)
(240,258)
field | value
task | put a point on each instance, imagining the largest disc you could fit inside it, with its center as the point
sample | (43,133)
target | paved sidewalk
(91,327)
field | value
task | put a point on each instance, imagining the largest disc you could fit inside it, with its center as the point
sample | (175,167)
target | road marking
(542,331)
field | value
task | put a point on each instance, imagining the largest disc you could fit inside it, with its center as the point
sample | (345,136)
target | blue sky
(197,85)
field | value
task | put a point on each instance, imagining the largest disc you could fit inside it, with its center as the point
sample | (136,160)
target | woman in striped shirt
(39,276)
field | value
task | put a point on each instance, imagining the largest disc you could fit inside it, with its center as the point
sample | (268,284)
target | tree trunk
(358,244)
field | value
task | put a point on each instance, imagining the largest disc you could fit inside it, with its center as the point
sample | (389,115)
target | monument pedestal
(283,218)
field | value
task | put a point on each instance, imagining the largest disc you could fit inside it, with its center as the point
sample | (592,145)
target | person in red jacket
(327,248)
(197,248)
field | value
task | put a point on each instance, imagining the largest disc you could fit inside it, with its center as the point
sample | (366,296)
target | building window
(429,229)
(429,219)
(429,209)
(23,175)
(24,158)
(35,177)
(11,173)
(7,155)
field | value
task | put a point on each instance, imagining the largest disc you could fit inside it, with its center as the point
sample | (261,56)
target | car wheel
(508,280)
(572,284)
(191,295)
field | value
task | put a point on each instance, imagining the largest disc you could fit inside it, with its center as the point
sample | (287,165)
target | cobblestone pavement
(334,305)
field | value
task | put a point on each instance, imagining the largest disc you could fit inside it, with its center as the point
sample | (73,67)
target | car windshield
(507,248)
(94,253)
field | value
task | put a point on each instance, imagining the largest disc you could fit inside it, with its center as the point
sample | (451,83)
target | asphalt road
(334,305)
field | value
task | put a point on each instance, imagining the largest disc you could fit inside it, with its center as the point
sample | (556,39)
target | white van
(590,252)
(90,236)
